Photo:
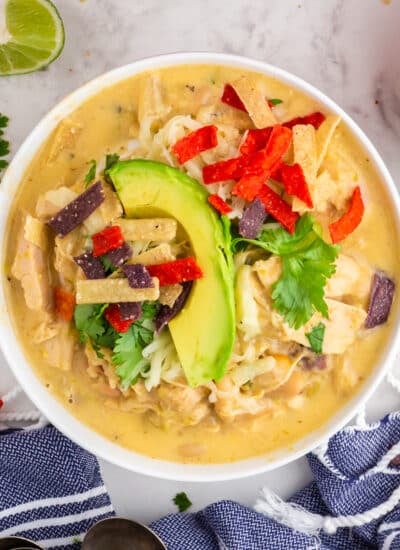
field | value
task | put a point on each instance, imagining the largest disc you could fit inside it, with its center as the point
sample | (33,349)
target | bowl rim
(55,412)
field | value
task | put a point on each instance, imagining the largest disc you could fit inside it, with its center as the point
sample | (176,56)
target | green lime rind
(36,35)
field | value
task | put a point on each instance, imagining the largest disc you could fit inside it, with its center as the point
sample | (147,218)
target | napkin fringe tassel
(295,516)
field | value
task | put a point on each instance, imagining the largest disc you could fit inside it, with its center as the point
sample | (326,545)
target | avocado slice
(204,331)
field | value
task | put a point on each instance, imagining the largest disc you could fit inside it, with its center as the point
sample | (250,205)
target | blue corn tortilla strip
(91,266)
(251,222)
(77,210)
(130,311)
(120,255)
(138,276)
(380,301)
(166,313)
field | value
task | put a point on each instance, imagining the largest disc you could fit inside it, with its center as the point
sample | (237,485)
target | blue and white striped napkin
(51,490)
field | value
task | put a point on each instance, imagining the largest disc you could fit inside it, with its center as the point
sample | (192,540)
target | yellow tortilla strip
(158,255)
(35,232)
(153,229)
(324,135)
(169,294)
(255,102)
(111,291)
(305,154)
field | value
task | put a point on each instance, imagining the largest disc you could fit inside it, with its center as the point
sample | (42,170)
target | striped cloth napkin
(353,503)
(51,490)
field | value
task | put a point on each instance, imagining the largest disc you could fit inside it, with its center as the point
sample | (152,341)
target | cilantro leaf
(109,267)
(93,327)
(91,173)
(316,337)
(3,121)
(307,262)
(275,101)
(3,164)
(4,147)
(182,501)
(127,356)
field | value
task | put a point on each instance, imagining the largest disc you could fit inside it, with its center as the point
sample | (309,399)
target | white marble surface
(347,48)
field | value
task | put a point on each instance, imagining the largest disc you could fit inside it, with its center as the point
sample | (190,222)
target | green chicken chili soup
(171,269)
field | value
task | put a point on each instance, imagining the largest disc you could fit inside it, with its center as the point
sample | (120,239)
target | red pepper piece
(231,98)
(64,302)
(249,187)
(113,316)
(178,271)
(278,208)
(256,139)
(315,119)
(219,204)
(106,240)
(221,171)
(195,143)
(351,219)
(1,403)
(295,183)
(260,163)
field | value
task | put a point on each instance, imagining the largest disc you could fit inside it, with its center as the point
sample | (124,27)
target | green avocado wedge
(204,331)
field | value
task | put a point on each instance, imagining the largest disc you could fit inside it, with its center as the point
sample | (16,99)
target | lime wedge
(31,35)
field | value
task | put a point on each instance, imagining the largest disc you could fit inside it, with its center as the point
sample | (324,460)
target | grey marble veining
(347,48)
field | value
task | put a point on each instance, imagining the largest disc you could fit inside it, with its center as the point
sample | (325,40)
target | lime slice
(31,35)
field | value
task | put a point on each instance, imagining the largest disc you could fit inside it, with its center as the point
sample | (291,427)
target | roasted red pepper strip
(261,163)
(295,183)
(351,219)
(113,316)
(64,303)
(219,204)
(231,98)
(178,271)
(195,143)
(221,171)
(1,403)
(248,187)
(278,208)
(106,240)
(315,119)
(256,139)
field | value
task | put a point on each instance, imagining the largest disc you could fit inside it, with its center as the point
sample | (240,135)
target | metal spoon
(17,543)
(121,534)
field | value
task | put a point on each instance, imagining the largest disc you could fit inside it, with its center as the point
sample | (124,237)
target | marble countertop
(347,49)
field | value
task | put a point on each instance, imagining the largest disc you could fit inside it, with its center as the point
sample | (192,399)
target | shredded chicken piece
(183,403)
(30,268)
(232,402)
(352,280)
(58,351)
(97,365)
(52,201)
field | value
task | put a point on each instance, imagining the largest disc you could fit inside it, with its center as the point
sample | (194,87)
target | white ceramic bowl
(54,411)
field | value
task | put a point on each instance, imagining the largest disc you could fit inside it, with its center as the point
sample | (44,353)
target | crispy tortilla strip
(255,102)
(324,135)
(305,154)
(111,291)
(109,210)
(65,137)
(169,294)
(158,255)
(152,229)
(35,232)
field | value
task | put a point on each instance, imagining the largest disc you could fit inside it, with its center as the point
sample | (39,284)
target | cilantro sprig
(127,355)
(93,327)
(4,144)
(91,173)
(182,501)
(307,262)
(316,337)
